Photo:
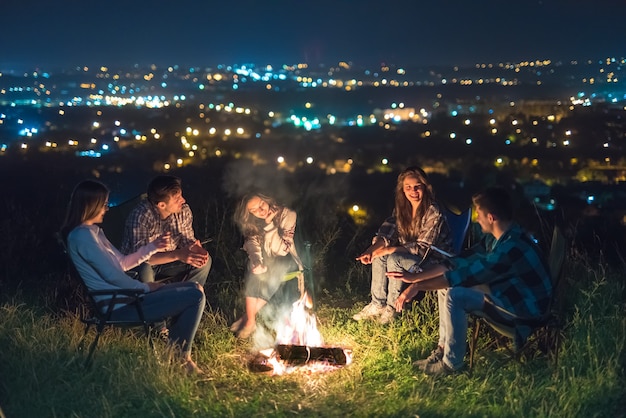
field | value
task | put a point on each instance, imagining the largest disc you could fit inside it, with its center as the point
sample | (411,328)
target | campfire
(299,346)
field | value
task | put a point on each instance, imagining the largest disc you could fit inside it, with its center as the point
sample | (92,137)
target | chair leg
(557,347)
(148,329)
(92,347)
(473,341)
(81,343)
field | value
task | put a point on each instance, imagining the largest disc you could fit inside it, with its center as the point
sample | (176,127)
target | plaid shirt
(434,231)
(512,267)
(144,225)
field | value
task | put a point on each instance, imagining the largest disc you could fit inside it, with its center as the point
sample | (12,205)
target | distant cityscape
(550,123)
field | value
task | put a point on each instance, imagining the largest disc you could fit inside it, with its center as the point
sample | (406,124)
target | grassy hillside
(42,373)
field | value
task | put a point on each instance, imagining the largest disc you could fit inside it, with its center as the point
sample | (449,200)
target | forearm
(252,247)
(433,283)
(134,259)
(165,257)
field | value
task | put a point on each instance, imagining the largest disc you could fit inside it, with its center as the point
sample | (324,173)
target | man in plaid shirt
(506,269)
(165,211)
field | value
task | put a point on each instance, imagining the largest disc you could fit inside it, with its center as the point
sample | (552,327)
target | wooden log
(301,354)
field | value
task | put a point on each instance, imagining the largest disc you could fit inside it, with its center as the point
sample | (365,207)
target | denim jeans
(454,305)
(182,302)
(176,270)
(385,292)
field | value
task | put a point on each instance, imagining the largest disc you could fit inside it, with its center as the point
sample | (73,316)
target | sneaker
(438,368)
(370,311)
(435,356)
(388,315)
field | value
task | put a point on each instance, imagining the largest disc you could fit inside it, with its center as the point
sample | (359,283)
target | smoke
(316,197)
(271,318)
(241,177)
(312,189)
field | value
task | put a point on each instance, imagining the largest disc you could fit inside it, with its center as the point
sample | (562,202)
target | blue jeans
(454,305)
(175,270)
(385,292)
(182,302)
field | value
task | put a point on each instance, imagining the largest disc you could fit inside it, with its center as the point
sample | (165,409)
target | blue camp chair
(459,225)
(547,330)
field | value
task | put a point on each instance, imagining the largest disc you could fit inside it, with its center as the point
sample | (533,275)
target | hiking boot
(388,315)
(438,368)
(435,356)
(370,311)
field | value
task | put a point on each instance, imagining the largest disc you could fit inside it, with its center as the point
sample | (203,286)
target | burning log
(301,354)
(285,358)
(299,345)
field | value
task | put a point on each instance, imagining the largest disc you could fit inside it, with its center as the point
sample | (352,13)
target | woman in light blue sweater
(102,267)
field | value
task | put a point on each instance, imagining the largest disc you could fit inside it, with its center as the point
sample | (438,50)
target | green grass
(42,373)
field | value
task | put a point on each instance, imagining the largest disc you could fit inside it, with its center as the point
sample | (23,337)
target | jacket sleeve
(280,235)
(129,261)
(388,232)
(252,246)
(94,260)
(185,228)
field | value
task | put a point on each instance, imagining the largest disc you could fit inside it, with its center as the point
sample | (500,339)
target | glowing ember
(299,346)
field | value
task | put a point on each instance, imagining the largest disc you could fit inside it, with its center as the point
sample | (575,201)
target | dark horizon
(39,34)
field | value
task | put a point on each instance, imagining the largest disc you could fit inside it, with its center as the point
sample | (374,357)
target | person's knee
(198,294)
(394,258)
(204,270)
(463,298)
(144,273)
(380,261)
(208,264)
(400,261)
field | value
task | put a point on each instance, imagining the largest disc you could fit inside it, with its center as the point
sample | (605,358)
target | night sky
(44,33)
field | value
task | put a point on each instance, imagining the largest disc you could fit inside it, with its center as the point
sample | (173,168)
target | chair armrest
(117,296)
(115,292)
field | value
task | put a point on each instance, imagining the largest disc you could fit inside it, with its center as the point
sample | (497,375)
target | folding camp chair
(459,225)
(98,314)
(546,334)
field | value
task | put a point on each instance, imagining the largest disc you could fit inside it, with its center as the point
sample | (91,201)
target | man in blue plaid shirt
(506,268)
(166,211)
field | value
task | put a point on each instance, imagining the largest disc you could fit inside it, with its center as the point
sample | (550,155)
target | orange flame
(299,327)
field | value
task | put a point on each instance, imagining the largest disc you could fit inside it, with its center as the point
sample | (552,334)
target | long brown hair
(407,227)
(248,224)
(85,203)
